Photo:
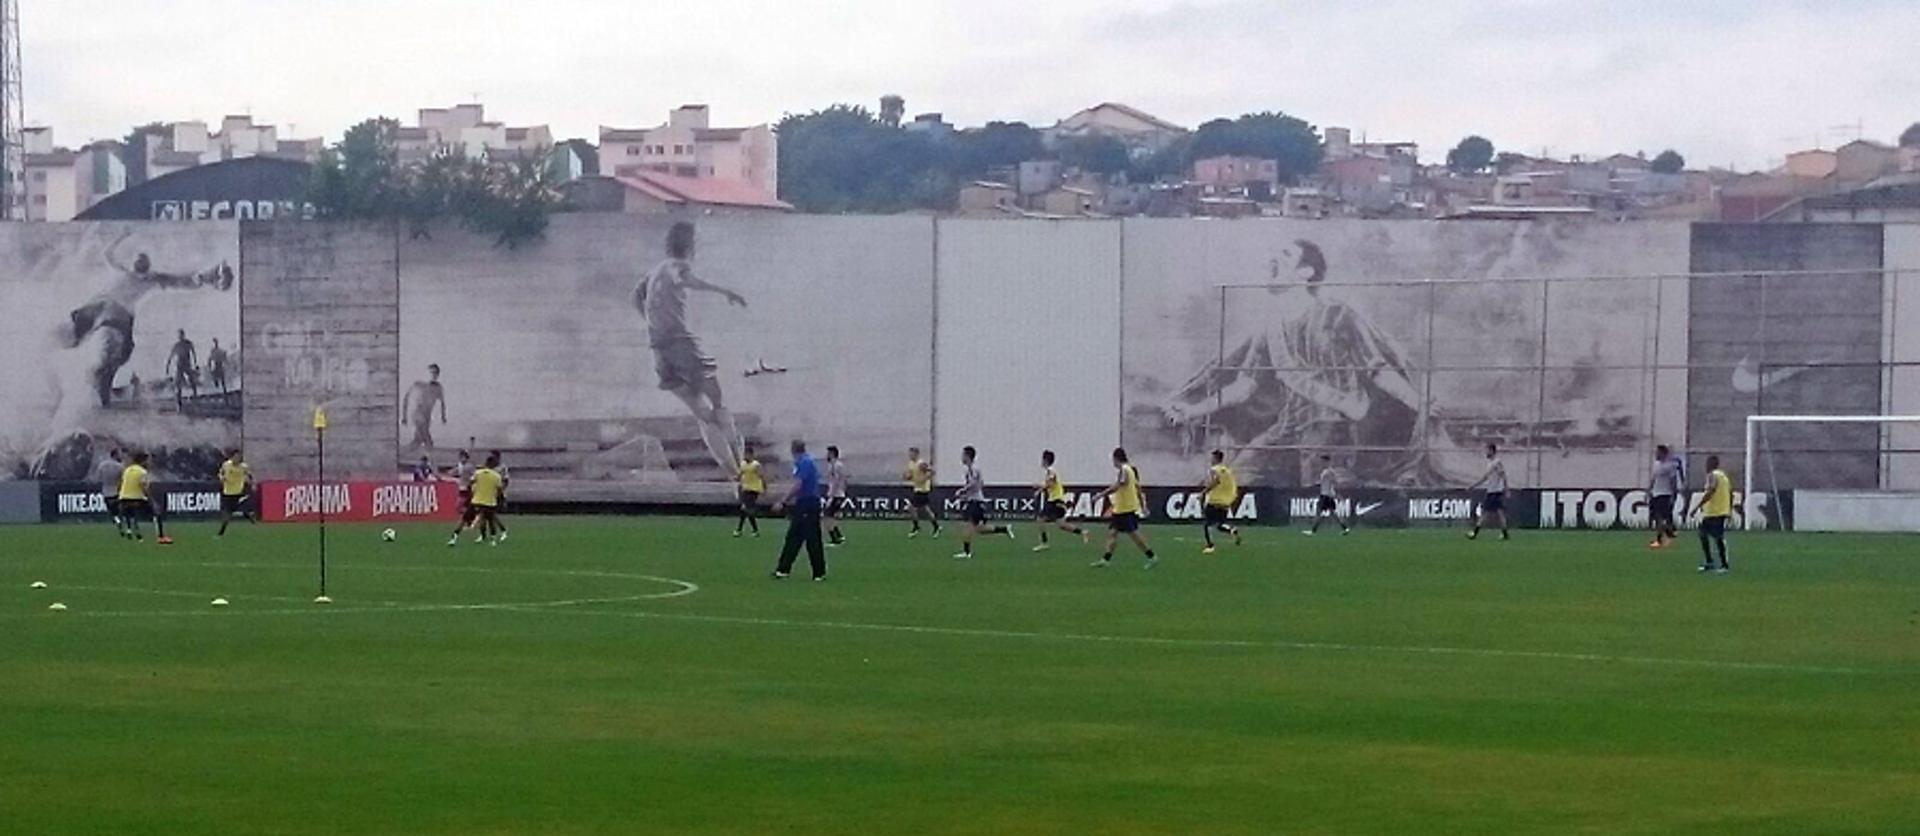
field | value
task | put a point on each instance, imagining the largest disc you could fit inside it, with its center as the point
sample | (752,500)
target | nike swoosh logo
(1749,380)
(1366,509)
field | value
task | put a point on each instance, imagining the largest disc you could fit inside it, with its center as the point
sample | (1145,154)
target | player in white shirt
(974,493)
(1493,502)
(1328,505)
(836,496)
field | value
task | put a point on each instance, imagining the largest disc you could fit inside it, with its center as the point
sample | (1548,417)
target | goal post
(1753,437)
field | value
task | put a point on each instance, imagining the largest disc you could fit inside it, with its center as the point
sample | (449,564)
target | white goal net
(1891,505)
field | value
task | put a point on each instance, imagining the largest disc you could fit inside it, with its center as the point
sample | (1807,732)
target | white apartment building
(689,146)
(61,183)
(466,128)
(183,145)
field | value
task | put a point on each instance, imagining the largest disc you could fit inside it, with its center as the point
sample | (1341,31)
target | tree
(509,197)
(1910,138)
(995,145)
(136,142)
(1472,155)
(1097,154)
(1290,141)
(842,159)
(893,108)
(1669,162)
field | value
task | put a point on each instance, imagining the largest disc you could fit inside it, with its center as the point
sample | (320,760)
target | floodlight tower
(13,165)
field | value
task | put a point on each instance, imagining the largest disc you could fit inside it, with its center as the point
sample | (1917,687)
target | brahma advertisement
(359,501)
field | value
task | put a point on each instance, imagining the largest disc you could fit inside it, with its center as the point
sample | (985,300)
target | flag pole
(320,447)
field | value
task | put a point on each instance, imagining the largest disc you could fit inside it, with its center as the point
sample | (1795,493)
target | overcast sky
(1724,82)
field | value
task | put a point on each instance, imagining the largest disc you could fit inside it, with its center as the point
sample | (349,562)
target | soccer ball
(388,535)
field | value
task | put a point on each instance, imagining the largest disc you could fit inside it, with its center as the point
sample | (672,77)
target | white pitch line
(975,632)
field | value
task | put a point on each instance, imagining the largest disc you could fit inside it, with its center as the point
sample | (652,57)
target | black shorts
(1714,527)
(749,499)
(836,505)
(113,505)
(136,509)
(976,512)
(921,499)
(232,503)
(1219,514)
(1124,523)
(1493,502)
(484,511)
(1326,505)
(1661,510)
(1053,511)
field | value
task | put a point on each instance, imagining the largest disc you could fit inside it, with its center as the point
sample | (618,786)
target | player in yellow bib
(236,482)
(753,483)
(919,477)
(1053,503)
(1128,502)
(1715,506)
(1222,491)
(136,500)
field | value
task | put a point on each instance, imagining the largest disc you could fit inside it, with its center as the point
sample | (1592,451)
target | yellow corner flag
(319,418)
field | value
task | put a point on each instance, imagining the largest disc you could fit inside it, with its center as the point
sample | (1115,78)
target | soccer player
(463,472)
(500,509)
(236,481)
(1328,505)
(1222,491)
(1493,503)
(487,487)
(183,362)
(1715,506)
(836,495)
(136,500)
(424,472)
(1666,485)
(661,299)
(108,473)
(974,493)
(217,366)
(1126,501)
(752,485)
(1053,503)
(920,477)
(416,407)
(803,528)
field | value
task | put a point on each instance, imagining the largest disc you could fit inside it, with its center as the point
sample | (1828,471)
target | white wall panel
(1027,347)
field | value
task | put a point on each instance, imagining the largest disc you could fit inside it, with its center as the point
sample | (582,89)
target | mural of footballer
(661,299)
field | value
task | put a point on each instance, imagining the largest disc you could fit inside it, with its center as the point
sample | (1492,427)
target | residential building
(689,146)
(645,192)
(1863,160)
(1142,132)
(1242,176)
(931,124)
(61,183)
(986,197)
(1035,177)
(1363,183)
(1067,201)
(465,128)
(1305,202)
(1814,163)
(177,146)
(1894,198)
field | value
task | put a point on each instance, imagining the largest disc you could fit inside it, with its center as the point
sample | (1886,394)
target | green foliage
(996,145)
(842,159)
(1098,154)
(136,142)
(1290,141)
(1471,156)
(509,198)
(1669,162)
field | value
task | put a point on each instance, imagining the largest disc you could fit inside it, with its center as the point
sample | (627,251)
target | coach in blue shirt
(803,527)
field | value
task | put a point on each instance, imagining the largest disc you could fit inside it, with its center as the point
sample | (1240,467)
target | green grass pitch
(600,675)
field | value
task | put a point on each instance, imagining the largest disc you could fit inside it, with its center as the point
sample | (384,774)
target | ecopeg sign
(359,501)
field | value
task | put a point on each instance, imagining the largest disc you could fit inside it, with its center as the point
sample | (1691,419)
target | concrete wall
(320,328)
